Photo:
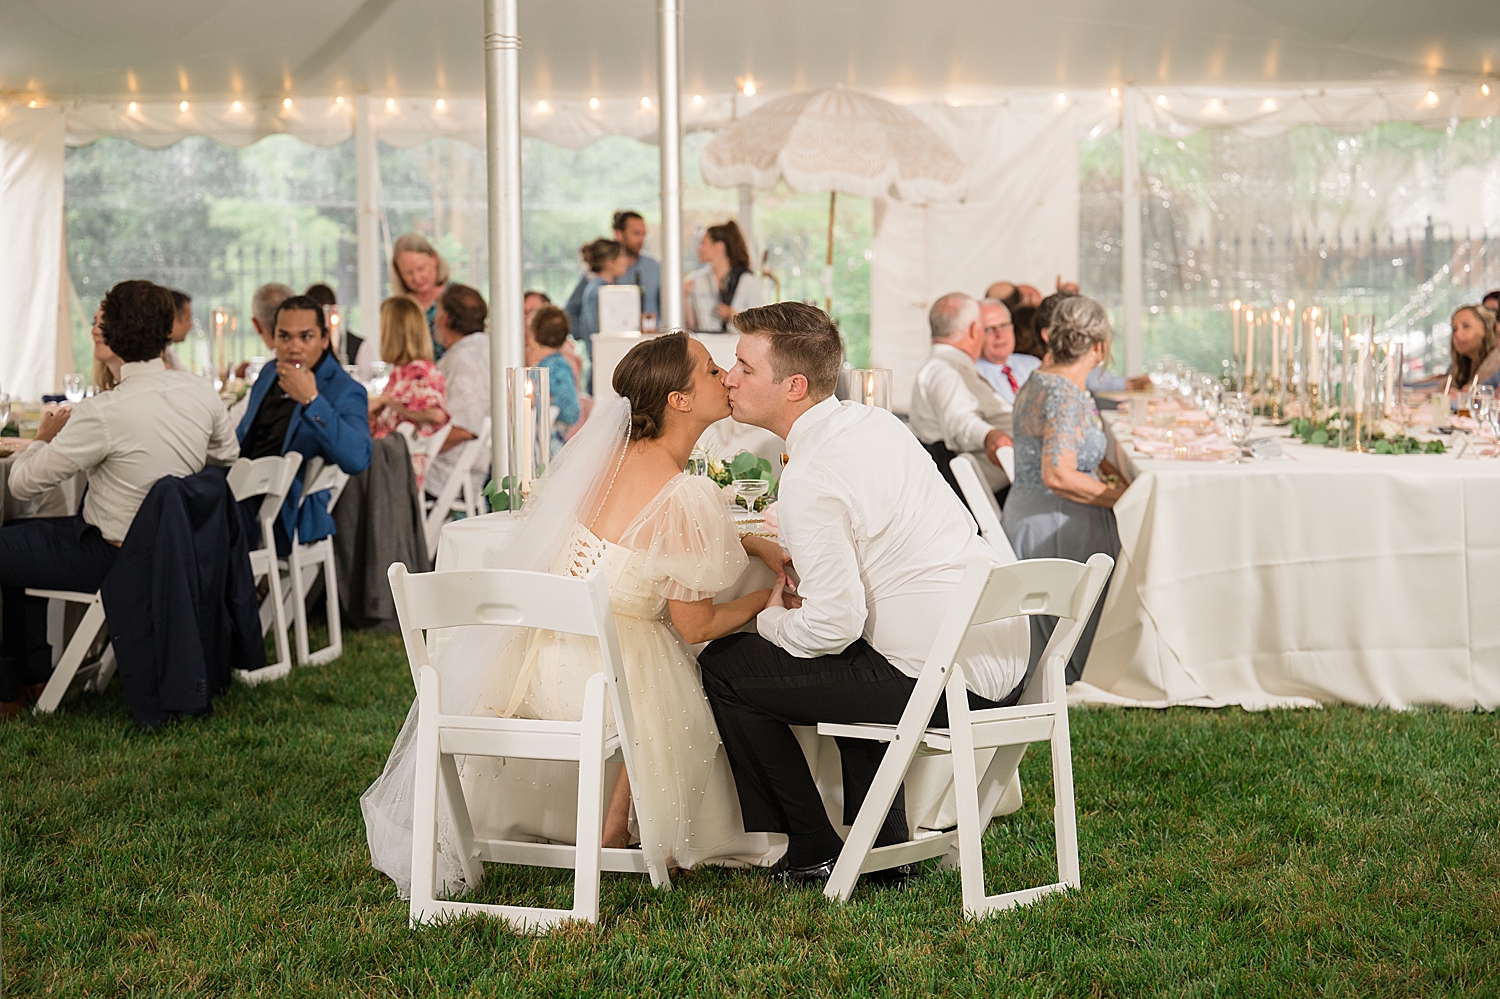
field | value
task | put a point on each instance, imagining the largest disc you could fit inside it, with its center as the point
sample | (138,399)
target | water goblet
(73,388)
(1239,417)
(750,490)
(380,374)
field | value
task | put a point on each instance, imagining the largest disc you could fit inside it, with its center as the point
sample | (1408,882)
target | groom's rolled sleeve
(817,533)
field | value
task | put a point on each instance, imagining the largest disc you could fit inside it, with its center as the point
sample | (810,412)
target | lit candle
(1250,384)
(528,446)
(1239,359)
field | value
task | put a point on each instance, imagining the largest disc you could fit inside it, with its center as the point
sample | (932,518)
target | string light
(1484,88)
(645,102)
(390,104)
(1114,93)
(593,104)
(440,104)
(339,101)
(1268,104)
(32,104)
(236,107)
(1161,100)
(1215,106)
(286,103)
(1062,98)
(183,106)
(542,107)
(134,107)
(697,100)
(749,88)
(1431,99)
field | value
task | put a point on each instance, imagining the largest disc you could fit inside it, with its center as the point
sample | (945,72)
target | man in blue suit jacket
(307,403)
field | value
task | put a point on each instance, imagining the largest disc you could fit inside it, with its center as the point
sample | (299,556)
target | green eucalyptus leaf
(1318,437)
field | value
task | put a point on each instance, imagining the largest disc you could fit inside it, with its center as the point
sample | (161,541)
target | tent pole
(669,83)
(747,224)
(1130,232)
(502,99)
(828,265)
(366,220)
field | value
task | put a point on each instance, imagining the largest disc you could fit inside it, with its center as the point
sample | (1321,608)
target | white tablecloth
(1320,576)
(60,501)
(472,544)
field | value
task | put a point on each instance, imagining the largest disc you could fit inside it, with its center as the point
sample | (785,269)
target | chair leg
(57,628)
(590,832)
(107,664)
(1064,814)
(966,797)
(453,792)
(299,603)
(424,830)
(335,646)
(872,813)
(72,657)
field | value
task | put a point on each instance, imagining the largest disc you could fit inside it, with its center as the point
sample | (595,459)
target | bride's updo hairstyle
(651,371)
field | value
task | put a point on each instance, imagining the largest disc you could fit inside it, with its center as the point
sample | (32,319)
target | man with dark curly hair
(155,424)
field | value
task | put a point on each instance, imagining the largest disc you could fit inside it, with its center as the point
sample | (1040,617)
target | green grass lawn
(1342,852)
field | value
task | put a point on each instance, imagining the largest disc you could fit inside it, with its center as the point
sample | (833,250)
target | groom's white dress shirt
(879,543)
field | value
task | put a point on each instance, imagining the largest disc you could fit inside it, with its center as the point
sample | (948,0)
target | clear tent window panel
(1400,221)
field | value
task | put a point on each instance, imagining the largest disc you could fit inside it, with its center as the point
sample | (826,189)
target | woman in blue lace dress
(1061,503)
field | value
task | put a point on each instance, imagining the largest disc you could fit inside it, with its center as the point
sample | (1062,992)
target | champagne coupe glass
(1239,417)
(73,388)
(380,374)
(750,490)
(1164,373)
(1166,419)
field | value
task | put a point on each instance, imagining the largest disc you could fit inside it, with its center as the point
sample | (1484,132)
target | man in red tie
(998,362)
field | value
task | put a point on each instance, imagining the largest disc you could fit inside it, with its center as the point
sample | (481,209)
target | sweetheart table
(1320,575)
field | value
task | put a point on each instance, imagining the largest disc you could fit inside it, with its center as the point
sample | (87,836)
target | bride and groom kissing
(874,537)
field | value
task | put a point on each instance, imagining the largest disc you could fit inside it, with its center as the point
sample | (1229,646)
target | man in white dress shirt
(465,365)
(953,410)
(879,544)
(156,423)
(999,364)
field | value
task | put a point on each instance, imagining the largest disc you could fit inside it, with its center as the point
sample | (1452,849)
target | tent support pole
(669,82)
(366,220)
(1130,232)
(748,226)
(502,99)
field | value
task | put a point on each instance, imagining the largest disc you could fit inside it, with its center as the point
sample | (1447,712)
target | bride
(616,500)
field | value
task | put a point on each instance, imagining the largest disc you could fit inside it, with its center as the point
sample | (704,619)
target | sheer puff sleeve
(689,543)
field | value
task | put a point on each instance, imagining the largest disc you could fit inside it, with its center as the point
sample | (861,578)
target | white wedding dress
(683,545)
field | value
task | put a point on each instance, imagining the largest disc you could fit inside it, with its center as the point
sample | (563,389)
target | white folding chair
(458,494)
(1007,458)
(1058,587)
(270,477)
(430,446)
(67,661)
(317,556)
(435,600)
(982,504)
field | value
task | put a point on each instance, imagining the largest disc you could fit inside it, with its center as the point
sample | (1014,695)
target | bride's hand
(769,552)
(782,595)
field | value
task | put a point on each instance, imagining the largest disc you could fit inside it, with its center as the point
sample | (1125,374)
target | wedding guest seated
(344,342)
(1473,348)
(307,403)
(1027,342)
(998,363)
(1005,293)
(263,305)
(550,328)
(1061,504)
(535,300)
(416,392)
(465,369)
(1491,301)
(156,423)
(107,364)
(1100,379)
(953,410)
(182,325)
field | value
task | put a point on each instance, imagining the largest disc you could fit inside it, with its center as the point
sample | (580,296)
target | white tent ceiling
(948,49)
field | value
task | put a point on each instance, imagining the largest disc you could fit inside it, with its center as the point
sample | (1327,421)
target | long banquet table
(1322,575)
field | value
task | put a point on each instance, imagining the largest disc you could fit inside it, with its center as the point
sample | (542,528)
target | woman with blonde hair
(419,272)
(1474,349)
(107,364)
(416,392)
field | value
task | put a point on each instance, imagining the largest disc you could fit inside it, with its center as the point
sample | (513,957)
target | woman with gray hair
(419,272)
(1060,504)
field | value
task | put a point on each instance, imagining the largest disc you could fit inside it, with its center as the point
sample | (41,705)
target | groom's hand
(782,595)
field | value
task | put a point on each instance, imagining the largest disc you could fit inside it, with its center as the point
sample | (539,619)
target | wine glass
(1239,417)
(1164,373)
(1166,419)
(73,388)
(380,374)
(4,409)
(1483,404)
(750,490)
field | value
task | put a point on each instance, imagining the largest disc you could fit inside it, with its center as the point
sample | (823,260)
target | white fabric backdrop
(1019,223)
(31,248)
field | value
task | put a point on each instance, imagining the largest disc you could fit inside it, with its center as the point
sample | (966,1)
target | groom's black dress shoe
(785,874)
(894,877)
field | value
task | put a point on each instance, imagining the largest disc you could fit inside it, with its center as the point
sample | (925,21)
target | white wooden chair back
(987,593)
(307,559)
(272,478)
(447,500)
(1007,458)
(982,505)
(427,602)
(431,445)
(322,477)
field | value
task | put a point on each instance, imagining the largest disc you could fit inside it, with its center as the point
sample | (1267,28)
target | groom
(879,542)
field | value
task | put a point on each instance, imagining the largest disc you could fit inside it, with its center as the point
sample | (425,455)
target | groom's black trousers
(757,689)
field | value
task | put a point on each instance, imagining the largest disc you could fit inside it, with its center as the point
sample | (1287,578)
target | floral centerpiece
(744,465)
(1389,436)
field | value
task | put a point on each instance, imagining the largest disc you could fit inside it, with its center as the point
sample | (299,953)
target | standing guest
(182,325)
(879,545)
(640,270)
(1062,502)
(953,410)
(725,285)
(420,273)
(550,326)
(306,403)
(416,391)
(1473,347)
(156,423)
(574,305)
(342,341)
(606,261)
(465,369)
(998,362)
(107,364)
